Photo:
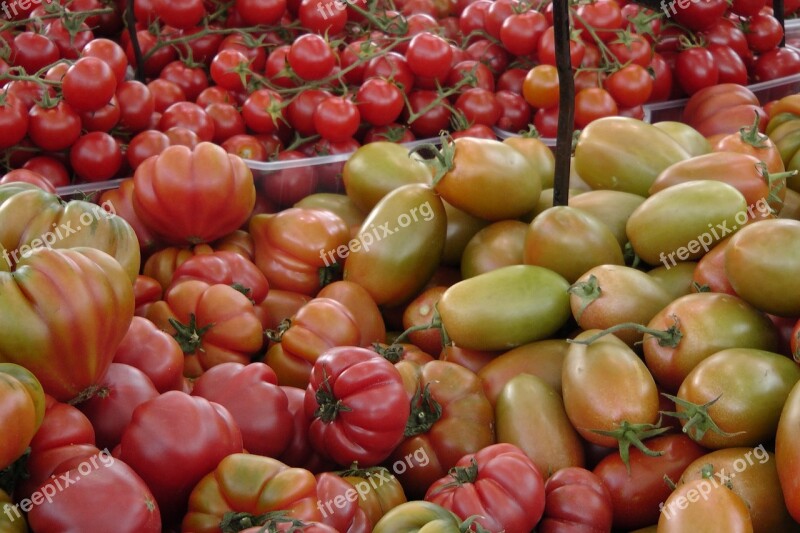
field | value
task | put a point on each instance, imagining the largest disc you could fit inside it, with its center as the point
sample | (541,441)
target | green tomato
(418,517)
(683,222)
(505,308)
(375,169)
(624,154)
(689,138)
(399,246)
(461,227)
(613,208)
(497,245)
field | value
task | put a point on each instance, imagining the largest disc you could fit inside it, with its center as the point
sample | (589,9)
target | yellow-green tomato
(338,204)
(750,388)
(11,519)
(375,169)
(497,245)
(624,154)
(676,280)
(605,384)
(530,415)
(399,245)
(608,295)
(570,241)
(461,227)
(612,208)
(505,308)
(539,155)
(418,517)
(546,202)
(689,138)
(762,262)
(683,222)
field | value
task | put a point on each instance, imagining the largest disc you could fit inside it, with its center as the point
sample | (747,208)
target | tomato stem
(189,336)
(775,182)
(695,418)
(233,522)
(670,337)
(328,406)
(88,393)
(425,411)
(750,135)
(633,434)
(275,335)
(392,353)
(587,292)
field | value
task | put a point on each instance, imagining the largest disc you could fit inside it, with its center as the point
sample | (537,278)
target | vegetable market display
(207,325)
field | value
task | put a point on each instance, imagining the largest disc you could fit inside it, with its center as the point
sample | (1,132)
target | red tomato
(54,128)
(357,404)
(169,466)
(336,118)
(181,14)
(154,352)
(499,483)
(695,69)
(95,156)
(311,57)
(630,86)
(576,500)
(429,56)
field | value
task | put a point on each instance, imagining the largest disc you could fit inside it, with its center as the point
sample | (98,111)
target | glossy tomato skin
(402,240)
(544,432)
(379,500)
(247,391)
(356,401)
(125,502)
(471,323)
(729,510)
(213,323)
(23,410)
(752,474)
(82,328)
(170,469)
(293,245)
(709,322)
(499,483)
(363,308)
(227,268)
(436,442)
(246,483)
(748,421)
(787,456)
(576,500)
(636,495)
(154,352)
(217,185)
(415,515)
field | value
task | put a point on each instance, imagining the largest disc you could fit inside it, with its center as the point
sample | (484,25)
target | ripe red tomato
(429,56)
(764,33)
(379,101)
(576,497)
(13,121)
(695,69)
(630,86)
(311,57)
(181,14)
(259,12)
(54,128)
(95,156)
(699,16)
(190,116)
(479,107)
(110,52)
(520,32)
(336,118)
(593,103)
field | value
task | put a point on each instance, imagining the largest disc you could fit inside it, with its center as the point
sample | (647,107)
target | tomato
(470,323)
(336,118)
(183,14)
(53,128)
(126,504)
(685,509)
(50,168)
(630,86)
(294,246)
(228,268)
(520,32)
(104,119)
(697,16)
(154,352)
(356,401)
(171,469)
(13,121)
(695,69)
(223,180)
(426,114)
(426,54)
(546,242)
(378,490)
(311,57)
(787,457)
(74,338)
(592,104)
(752,474)
(698,318)
(575,497)
(240,388)
(23,412)
(319,325)
(21,175)
(358,301)
(385,249)
(498,483)
(214,324)
(656,240)
(637,491)
(545,49)
(764,33)
(33,51)
(88,84)
(732,68)
(165,93)
(718,397)
(416,515)
(745,262)
(619,153)
(9,523)
(543,433)
(450,417)
(709,274)
(95,156)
